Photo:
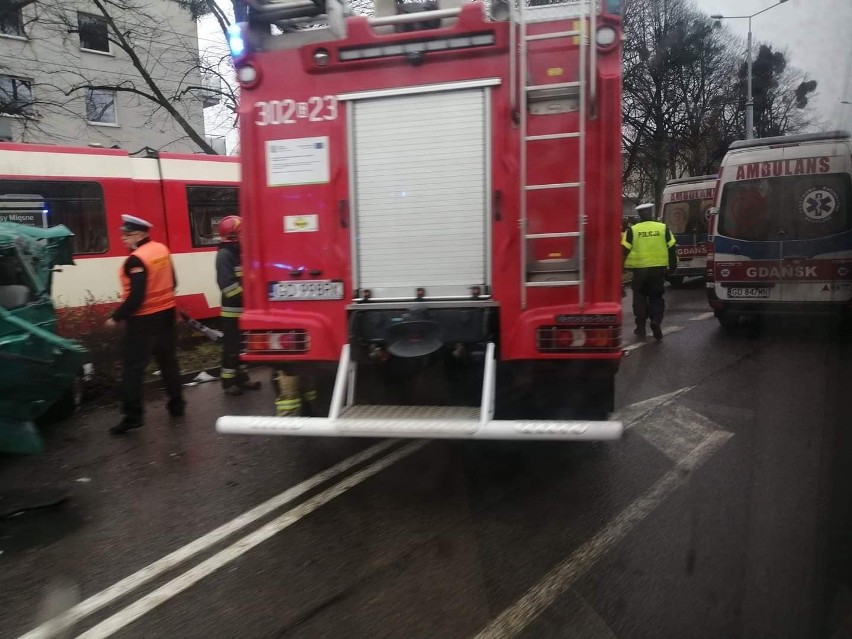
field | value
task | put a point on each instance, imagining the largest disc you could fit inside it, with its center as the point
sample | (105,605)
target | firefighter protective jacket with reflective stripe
(648,244)
(159,278)
(229,277)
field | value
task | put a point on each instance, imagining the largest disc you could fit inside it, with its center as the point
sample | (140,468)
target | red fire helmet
(230,228)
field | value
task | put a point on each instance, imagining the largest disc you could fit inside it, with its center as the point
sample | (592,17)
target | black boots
(176,407)
(125,425)
(238,389)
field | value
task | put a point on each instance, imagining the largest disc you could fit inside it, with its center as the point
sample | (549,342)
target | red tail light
(563,339)
(598,338)
(295,340)
(711,259)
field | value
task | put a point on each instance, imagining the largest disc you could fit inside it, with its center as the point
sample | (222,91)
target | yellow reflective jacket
(648,245)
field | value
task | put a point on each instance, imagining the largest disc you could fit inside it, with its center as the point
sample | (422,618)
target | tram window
(207,205)
(77,205)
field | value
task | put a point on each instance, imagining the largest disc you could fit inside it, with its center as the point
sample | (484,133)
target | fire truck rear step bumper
(420,428)
(440,422)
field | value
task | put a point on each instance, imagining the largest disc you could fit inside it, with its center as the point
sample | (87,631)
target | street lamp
(750,98)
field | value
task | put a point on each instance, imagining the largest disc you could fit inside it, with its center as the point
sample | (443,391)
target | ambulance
(781,236)
(686,203)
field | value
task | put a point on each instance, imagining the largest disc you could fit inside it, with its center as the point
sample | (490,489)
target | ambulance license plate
(306,290)
(749,293)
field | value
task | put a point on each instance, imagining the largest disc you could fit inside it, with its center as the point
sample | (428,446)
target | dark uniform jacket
(229,277)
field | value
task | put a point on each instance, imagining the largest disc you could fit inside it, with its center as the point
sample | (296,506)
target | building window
(77,205)
(94,35)
(100,106)
(16,96)
(207,206)
(11,23)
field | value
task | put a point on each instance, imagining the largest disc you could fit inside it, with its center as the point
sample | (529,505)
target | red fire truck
(432,205)
(87,190)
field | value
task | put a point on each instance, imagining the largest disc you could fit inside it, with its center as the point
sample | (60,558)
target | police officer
(147,311)
(649,248)
(229,277)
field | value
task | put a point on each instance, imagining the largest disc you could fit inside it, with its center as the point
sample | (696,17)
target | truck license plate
(749,293)
(306,290)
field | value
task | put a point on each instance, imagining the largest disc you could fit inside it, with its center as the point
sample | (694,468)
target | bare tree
(652,113)
(684,94)
(781,93)
(166,65)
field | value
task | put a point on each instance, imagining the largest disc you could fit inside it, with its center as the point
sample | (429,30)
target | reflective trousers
(233,373)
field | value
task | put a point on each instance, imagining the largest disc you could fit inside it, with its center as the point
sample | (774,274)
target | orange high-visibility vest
(160,282)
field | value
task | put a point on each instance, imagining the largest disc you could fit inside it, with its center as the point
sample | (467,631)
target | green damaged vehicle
(40,372)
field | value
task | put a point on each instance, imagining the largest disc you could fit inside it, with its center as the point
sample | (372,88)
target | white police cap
(643,207)
(133,223)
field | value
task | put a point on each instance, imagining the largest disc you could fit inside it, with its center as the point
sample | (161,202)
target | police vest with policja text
(649,247)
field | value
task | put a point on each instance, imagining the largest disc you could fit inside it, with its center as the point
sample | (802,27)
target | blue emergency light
(235,40)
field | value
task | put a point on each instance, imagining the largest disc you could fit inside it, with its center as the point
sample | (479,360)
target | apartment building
(69,74)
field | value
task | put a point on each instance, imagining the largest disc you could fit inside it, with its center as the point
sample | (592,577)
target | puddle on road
(35,519)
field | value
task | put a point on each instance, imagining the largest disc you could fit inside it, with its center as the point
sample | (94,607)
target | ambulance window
(744,212)
(789,208)
(77,205)
(676,216)
(687,217)
(207,205)
(819,206)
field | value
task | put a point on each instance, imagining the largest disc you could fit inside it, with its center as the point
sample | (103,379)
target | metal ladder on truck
(565,271)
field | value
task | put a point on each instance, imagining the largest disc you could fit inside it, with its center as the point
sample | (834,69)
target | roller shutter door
(420,182)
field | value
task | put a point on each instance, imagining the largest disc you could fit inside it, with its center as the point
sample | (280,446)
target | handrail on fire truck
(562,272)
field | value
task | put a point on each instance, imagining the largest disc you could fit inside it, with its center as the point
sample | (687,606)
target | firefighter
(229,277)
(147,311)
(649,248)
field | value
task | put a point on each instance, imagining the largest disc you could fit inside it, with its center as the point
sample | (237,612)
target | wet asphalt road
(723,512)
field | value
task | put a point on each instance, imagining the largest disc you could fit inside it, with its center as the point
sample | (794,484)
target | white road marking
(177,585)
(517,617)
(703,316)
(668,330)
(630,415)
(676,432)
(130,583)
